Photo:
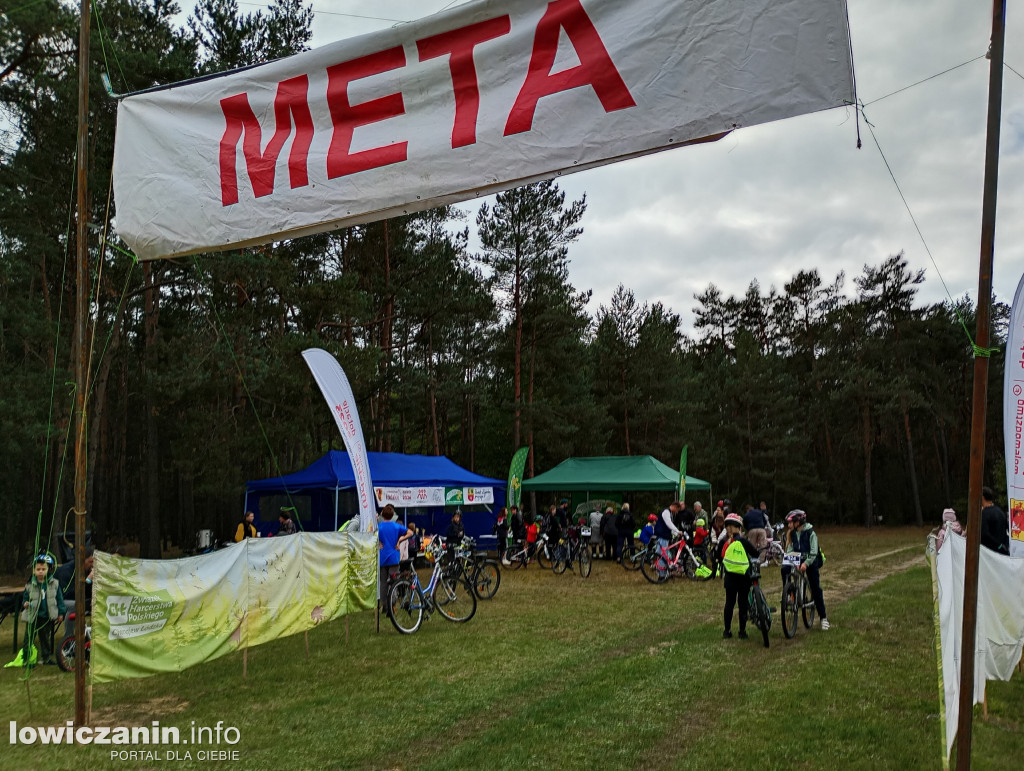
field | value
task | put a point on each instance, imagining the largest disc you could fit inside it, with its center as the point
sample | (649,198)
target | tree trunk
(942,452)
(517,352)
(918,517)
(625,407)
(149,522)
(865,415)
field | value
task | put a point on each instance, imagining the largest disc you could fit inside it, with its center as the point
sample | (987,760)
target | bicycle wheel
(66,654)
(585,563)
(405,607)
(689,566)
(636,556)
(559,560)
(455,600)
(763,613)
(790,605)
(486,579)
(544,556)
(807,606)
(514,557)
(655,568)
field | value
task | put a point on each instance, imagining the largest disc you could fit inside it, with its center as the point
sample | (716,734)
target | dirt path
(847,584)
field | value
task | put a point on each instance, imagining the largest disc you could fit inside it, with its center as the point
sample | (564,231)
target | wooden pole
(307,645)
(245,662)
(80,348)
(980,401)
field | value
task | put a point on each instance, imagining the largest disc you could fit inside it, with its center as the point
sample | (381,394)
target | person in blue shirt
(390,534)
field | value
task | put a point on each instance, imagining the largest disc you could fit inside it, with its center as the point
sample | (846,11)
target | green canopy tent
(611,473)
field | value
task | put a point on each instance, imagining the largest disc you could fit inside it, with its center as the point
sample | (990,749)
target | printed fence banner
(409,497)
(336,390)
(157,616)
(486,96)
(454,496)
(1000,631)
(514,492)
(1013,421)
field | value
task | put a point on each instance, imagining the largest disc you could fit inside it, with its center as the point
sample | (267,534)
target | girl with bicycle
(736,554)
(803,540)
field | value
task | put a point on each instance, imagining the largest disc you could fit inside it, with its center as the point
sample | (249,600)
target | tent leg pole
(245,662)
(307,645)
(335,509)
(346,629)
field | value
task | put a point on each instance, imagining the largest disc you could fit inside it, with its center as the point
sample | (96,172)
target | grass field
(557,672)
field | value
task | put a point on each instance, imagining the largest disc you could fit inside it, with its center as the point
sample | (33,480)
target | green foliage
(803,396)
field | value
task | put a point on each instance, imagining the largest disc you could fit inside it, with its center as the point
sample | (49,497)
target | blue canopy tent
(324,495)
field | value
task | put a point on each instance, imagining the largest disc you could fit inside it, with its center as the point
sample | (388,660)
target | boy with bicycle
(804,540)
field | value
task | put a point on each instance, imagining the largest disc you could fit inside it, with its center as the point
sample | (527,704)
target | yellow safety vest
(736,559)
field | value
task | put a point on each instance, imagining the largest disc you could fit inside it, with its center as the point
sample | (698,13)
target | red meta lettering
(459,43)
(346,116)
(289,104)
(595,69)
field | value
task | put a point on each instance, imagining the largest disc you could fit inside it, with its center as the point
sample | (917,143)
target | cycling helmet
(700,522)
(652,517)
(797,516)
(734,519)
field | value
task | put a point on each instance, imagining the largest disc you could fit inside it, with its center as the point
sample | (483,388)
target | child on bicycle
(42,610)
(532,533)
(737,554)
(804,540)
(647,533)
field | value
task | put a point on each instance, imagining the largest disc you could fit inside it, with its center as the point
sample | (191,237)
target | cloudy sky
(797,194)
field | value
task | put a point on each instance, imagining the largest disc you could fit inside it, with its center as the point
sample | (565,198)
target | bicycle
(796,596)
(517,555)
(659,565)
(760,611)
(68,646)
(483,572)
(545,551)
(772,552)
(449,594)
(576,550)
(632,558)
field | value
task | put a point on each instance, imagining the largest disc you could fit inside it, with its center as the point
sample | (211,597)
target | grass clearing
(559,672)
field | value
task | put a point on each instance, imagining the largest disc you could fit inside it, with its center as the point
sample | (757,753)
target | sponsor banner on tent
(155,616)
(1013,421)
(486,96)
(468,496)
(336,390)
(409,497)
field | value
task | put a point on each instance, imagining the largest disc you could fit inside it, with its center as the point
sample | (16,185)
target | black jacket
(995,529)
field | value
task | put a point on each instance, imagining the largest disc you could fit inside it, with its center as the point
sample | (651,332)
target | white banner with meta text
(489,95)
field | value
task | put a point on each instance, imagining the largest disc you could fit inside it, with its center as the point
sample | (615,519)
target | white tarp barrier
(489,95)
(1000,630)
(1013,421)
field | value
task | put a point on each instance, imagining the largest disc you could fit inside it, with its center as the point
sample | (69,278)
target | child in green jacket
(42,609)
